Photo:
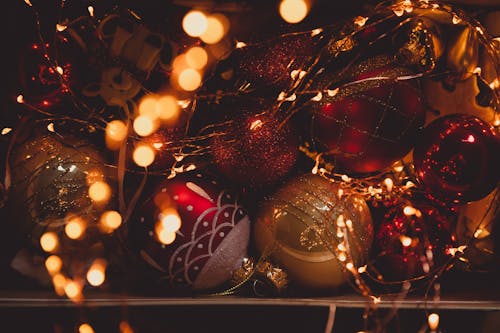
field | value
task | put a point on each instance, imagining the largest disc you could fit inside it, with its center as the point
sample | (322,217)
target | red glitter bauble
(411,241)
(457,159)
(270,63)
(210,242)
(255,149)
(46,84)
(369,125)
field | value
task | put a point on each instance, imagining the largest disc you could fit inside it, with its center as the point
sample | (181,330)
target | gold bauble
(301,228)
(51,176)
(475,229)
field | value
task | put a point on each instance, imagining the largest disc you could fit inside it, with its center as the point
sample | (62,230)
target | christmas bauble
(57,179)
(313,232)
(456,158)
(477,223)
(270,64)
(193,231)
(46,73)
(368,125)
(411,240)
(255,149)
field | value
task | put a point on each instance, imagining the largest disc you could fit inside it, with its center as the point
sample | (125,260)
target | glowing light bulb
(293,11)
(99,192)
(143,155)
(166,237)
(111,220)
(85,328)
(405,240)
(170,221)
(433,321)
(53,264)
(116,130)
(189,79)
(194,23)
(73,289)
(167,108)
(196,57)
(49,241)
(144,125)
(96,274)
(75,228)
(214,31)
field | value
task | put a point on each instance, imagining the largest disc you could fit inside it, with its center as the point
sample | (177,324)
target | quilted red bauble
(208,244)
(371,122)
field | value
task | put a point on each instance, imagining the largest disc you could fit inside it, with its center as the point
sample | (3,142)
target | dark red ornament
(212,239)
(46,74)
(369,125)
(255,149)
(457,159)
(411,241)
(270,63)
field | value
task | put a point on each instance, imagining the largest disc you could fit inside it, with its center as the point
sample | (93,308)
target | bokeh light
(144,155)
(293,11)
(189,79)
(194,23)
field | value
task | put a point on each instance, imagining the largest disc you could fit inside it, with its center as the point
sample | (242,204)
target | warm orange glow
(49,241)
(59,282)
(196,57)
(167,108)
(125,327)
(170,220)
(293,11)
(85,328)
(99,192)
(20,99)
(194,23)
(75,228)
(189,79)
(147,106)
(166,237)
(96,274)
(214,31)
(116,131)
(433,321)
(111,220)
(144,155)
(73,289)
(144,125)
(53,264)
(405,240)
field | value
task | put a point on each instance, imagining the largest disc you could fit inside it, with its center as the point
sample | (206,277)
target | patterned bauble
(312,231)
(477,224)
(255,149)
(57,179)
(193,231)
(456,159)
(368,125)
(411,240)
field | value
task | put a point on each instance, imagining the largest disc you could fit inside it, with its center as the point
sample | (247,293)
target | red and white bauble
(211,241)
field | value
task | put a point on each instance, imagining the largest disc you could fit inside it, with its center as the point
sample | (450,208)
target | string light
(74,228)
(110,220)
(53,264)
(293,11)
(214,31)
(167,108)
(96,275)
(196,57)
(99,192)
(49,241)
(144,155)
(116,132)
(433,321)
(189,79)
(85,328)
(144,125)
(6,130)
(194,23)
